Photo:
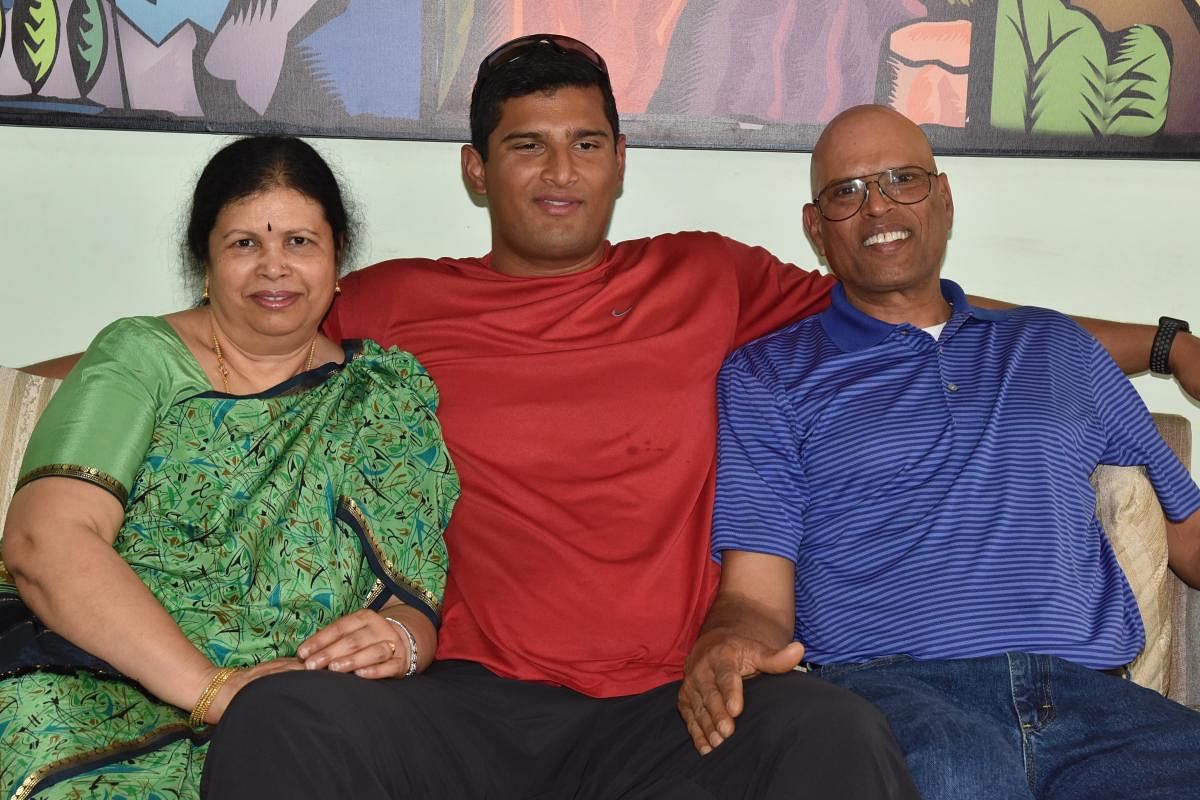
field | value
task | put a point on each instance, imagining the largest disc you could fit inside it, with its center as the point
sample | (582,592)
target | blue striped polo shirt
(934,494)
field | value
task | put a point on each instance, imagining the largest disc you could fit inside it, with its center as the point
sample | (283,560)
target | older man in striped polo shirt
(903,500)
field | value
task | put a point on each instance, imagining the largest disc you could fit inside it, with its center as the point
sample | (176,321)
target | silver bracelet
(412,645)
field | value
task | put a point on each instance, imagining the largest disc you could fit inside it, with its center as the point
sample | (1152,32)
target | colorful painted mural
(985,76)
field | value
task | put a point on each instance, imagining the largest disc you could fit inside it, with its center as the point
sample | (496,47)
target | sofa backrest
(1126,504)
(23,396)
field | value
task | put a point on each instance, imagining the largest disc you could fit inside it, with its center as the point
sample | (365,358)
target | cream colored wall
(89,222)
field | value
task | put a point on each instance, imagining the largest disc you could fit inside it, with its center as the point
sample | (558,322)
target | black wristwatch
(1160,351)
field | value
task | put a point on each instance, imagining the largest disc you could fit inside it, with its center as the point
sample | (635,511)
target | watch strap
(1164,337)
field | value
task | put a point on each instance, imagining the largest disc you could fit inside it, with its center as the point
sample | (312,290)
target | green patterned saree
(254,520)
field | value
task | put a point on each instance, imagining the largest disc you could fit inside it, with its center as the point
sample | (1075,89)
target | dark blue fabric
(1025,726)
(25,643)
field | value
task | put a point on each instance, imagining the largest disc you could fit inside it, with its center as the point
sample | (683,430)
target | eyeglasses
(905,185)
(512,50)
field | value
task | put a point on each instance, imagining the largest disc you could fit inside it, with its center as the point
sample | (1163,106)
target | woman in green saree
(214,496)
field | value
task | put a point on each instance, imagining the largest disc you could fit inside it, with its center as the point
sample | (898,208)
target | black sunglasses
(512,50)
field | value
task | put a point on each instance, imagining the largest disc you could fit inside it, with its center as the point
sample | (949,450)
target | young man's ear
(473,169)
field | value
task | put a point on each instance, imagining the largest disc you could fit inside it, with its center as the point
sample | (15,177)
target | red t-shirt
(580,413)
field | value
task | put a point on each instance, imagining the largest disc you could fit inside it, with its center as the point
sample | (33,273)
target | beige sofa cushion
(22,398)
(1133,519)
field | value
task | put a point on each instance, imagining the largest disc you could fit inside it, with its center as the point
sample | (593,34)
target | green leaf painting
(35,39)
(1137,82)
(86,41)
(1057,72)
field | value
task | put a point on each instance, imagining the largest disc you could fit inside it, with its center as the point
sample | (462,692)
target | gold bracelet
(200,710)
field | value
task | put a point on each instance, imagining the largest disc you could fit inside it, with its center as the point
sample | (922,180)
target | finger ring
(393,646)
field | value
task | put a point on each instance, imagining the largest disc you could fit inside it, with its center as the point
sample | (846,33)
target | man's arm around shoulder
(1129,345)
(747,632)
(54,367)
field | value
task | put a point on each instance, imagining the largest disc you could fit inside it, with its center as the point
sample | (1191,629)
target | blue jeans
(1030,726)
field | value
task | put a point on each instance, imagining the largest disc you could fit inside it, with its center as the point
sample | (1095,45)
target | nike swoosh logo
(616,313)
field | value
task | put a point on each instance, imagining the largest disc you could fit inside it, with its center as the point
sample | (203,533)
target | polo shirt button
(952,387)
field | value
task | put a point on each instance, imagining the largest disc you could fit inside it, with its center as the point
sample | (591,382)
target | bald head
(888,252)
(864,140)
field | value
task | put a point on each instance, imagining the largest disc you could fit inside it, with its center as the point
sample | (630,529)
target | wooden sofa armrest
(1176,430)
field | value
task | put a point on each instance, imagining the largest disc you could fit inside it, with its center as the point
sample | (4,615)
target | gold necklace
(216,343)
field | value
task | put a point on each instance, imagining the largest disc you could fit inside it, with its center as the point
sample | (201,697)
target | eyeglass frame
(929,176)
(515,48)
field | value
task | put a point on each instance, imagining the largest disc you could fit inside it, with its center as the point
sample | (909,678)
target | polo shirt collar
(851,329)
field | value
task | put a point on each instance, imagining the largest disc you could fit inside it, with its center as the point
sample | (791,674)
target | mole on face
(268,226)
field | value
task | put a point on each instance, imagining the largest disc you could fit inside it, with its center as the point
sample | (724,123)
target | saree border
(349,512)
(63,769)
(373,596)
(79,472)
(81,763)
(298,383)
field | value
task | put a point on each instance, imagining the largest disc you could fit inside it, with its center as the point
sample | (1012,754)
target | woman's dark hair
(257,164)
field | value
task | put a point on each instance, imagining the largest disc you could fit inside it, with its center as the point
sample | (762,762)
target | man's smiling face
(552,176)
(886,247)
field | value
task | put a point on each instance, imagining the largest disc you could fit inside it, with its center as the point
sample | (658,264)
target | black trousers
(458,731)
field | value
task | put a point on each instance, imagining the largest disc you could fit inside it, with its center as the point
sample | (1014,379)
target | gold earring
(204,297)
(337,288)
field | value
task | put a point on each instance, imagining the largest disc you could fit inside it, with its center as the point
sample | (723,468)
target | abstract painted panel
(1089,77)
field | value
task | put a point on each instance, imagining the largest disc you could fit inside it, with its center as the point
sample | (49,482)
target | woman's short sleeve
(98,425)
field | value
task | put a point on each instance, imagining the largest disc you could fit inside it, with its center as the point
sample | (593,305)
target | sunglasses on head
(512,50)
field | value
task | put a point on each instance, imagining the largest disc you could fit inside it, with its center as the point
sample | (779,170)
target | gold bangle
(200,710)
